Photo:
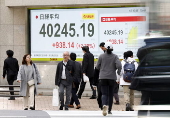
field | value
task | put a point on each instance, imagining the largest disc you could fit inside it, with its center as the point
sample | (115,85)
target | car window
(157,57)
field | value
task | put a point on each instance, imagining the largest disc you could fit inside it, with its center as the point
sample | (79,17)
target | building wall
(13,31)
(65,2)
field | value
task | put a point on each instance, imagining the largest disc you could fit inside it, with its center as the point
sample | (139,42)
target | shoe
(116,103)
(109,112)
(32,108)
(71,106)
(131,109)
(78,106)
(26,109)
(66,108)
(93,97)
(128,107)
(104,110)
(61,108)
(11,98)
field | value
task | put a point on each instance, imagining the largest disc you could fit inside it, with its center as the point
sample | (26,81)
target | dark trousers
(99,98)
(107,89)
(115,94)
(107,96)
(10,82)
(11,79)
(74,97)
(116,90)
(82,87)
(65,85)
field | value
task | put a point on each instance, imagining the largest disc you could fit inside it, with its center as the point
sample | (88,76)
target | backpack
(129,70)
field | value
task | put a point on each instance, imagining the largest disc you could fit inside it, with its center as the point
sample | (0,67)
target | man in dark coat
(77,79)
(64,79)
(96,80)
(88,70)
(10,68)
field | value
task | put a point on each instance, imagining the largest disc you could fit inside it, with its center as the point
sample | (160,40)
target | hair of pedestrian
(109,51)
(85,48)
(24,62)
(73,56)
(102,44)
(128,54)
(10,53)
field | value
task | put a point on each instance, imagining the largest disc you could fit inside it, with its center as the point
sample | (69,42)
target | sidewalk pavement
(45,103)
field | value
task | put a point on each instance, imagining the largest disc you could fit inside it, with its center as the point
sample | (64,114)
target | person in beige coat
(28,71)
(128,93)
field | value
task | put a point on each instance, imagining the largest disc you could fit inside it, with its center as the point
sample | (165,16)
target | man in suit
(10,68)
(88,70)
(64,79)
(77,79)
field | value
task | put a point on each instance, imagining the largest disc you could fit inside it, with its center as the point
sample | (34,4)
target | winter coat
(108,64)
(10,68)
(88,64)
(22,76)
(69,71)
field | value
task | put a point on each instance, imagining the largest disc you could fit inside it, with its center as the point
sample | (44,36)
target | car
(152,76)
(153,72)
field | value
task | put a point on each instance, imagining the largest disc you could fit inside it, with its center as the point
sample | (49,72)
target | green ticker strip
(55,59)
(60,59)
(45,59)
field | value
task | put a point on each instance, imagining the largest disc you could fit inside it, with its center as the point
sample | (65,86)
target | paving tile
(45,103)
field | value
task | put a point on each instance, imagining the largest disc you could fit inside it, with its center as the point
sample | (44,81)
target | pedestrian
(88,70)
(102,46)
(64,79)
(78,75)
(116,88)
(128,93)
(10,68)
(96,82)
(108,63)
(28,71)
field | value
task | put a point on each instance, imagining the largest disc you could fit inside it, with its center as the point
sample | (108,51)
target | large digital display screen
(54,31)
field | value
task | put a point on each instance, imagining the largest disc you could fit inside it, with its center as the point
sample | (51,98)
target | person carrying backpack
(129,65)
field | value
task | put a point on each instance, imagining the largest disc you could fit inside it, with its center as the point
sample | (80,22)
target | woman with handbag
(29,77)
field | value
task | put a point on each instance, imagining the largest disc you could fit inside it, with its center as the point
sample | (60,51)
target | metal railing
(3,95)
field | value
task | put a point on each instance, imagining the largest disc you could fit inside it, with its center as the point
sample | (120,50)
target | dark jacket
(88,64)
(10,68)
(78,75)
(96,77)
(69,72)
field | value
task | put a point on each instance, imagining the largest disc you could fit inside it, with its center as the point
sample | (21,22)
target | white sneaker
(104,110)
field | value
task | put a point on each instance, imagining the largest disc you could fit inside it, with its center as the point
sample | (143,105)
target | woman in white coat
(128,93)
(28,71)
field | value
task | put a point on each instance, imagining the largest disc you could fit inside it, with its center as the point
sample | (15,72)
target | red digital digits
(71,45)
(115,41)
